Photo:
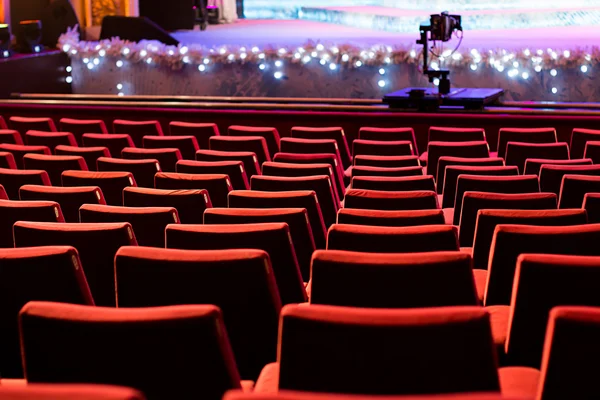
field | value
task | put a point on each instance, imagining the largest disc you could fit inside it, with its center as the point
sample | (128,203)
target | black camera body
(443,25)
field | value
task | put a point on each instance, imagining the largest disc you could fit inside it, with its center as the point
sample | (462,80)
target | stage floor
(297,32)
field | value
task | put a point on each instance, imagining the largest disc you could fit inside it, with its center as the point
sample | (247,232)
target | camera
(443,25)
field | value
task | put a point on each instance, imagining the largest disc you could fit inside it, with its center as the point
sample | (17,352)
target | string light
(554,90)
(201,67)
(381,83)
(69,68)
(553,72)
(278,75)
(69,79)
(332,66)
(119,63)
(119,86)
(279,63)
(584,69)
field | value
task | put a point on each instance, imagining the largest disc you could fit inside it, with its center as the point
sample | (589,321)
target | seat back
(579,138)
(446,134)
(7,160)
(384,171)
(24,124)
(335,133)
(201,131)
(518,153)
(54,165)
(247,157)
(318,158)
(10,136)
(63,391)
(382,148)
(575,187)
(111,183)
(524,135)
(187,145)
(115,143)
(591,204)
(13,179)
(254,144)
(50,139)
(137,129)
(271,135)
(388,135)
(167,157)
(217,185)
(12,211)
(89,154)
(387,161)
(447,161)
(353,216)
(234,169)
(80,126)
(19,151)
(395,184)
(70,199)
(435,150)
(551,176)
(295,145)
(143,170)
(533,165)
(393,201)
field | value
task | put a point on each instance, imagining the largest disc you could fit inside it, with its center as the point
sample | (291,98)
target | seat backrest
(143,171)
(54,165)
(239,282)
(392,183)
(380,239)
(533,165)
(115,143)
(73,343)
(35,273)
(271,135)
(187,145)
(382,148)
(80,126)
(579,138)
(384,171)
(62,391)
(19,151)
(446,134)
(353,216)
(217,185)
(111,183)
(274,238)
(435,150)
(7,160)
(492,184)
(446,161)
(247,157)
(167,157)
(70,199)
(24,124)
(510,241)
(96,244)
(394,201)
(255,144)
(591,204)
(353,279)
(551,175)
(524,135)
(387,161)
(518,153)
(50,139)
(574,189)
(388,134)
(592,151)
(312,146)
(201,131)
(12,211)
(137,129)
(10,136)
(394,351)
(234,169)
(13,179)
(335,133)
(89,154)
(475,201)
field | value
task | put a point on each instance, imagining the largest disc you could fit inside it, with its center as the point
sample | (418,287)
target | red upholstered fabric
(3,195)
(543,282)
(234,169)
(510,241)
(18,151)
(137,129)
(390,183)
(389,134)
(347,278)
(89,154)
(142,170)
(354,216)
(149,223)
(96,244)
(111,183)
(579,139)
(592,151)
(70,199)
(533,165)
(190,203)
(54,165)
(335,133)
(446,161)
(292,199)
(187,145)
(574,189)
(248,158)
(488,220)
(254,144)
(387,161)
(382,148)
(518,153)
(320,184)
(591,204)
(383,171)
(24,124)
(295,218)
(63,391)
(473,202)
(302,395)
(49,139)
(13,179)
(167,157)
(446,134)
(378,239)
(115,143)
(35,273)
(394,201)
(10,136)
(74,343)
(524,135)
(239,282)
(12,211)
(270,135)
(551,175)
(201,131)
(217,185)
(7,160)
(2,123)
(80,126)
(394,351)
(471,149)
(452,172)
(493,184)
(274,238)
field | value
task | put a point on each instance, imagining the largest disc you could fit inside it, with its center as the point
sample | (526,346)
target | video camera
(442,26)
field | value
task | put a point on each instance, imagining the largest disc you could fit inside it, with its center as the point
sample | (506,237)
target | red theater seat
(274,238)
(271,135)
(444,134)
(3,195)
(352,216)
(435,150)
(12,180)
(518,153)
(362,147)
(392,280)
(392,183)
(383,171)
(379,239)
(217,185)
(591,204)
(592,151)
(335,133)
(54,165)
(454,171)
(447,161)
(239,282)
(395,351)
(473,202)
(391,201)
(24,124)
(35,273)
(10,136)
(89,154)
(167,158)
(115,143)
(551,176)
(387,161)
(579,139)
(63,391)
(50,139)
(575,187)
(187,145)
(524,135)
(2,123)
(72,343)
(312,146)
(492,184)
(96,244)
(254,144)
(289,199)
(533,165)
(12,211)
(137,129)
(323,158)
(201,131)
(248,158)
(80,126)
(18,151)
(69,198)
(111,183)
(233,169)
(7,160)
(388,135)
(190,204)
(143,171)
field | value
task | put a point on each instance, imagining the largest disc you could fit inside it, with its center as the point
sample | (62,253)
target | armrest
(268,381)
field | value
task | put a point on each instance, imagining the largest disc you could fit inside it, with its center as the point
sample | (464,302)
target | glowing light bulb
(554,90)
(584,68)
(183,50)
(201,67)
(171,52)
(255,49)
(126,51)
(538,68)
(306,59)
(278,75)
(86,60)
(473,67)
(345,57)
(102,53)
(279,63)
(206,61)
(381,71)
(66,48)
(69,69)
(96,61)
(323,61)
(149,60)
(119,86)
(436,81)
(320,47)
(525,75)
(413,53)
(231,57)
(381,83)
(553,72)
(516,64)
(90,65)
(69,79)
(566,53)
(500,68)
(119,63)
(358,64)
(143,53)
(332,66)
(186,60)
(262,67)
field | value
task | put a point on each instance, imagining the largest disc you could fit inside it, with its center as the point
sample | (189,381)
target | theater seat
(312,146)
(167,157)
(254,144)
(591,204)
(455,134)
(387,161)
(233,169)
(12,211)
(187,145)
(89,154)
(80,126)
(63,391)
(392,201)
(383,171)
(7,160)
(217,185)
(96,244)
(24,124)
(137,129)
(533,165)
(12,180)
(518,153)
(201,131)
(579,139)
(471,149)
(575,187)
(247,157)
(143,171)
(18,151)
(447,161)
(524,135)
(271,135)
(115,143)
(50,139)
(388,134)
(239,282)
(50,273)
(335,133)
(111,183)
(394,184)
(352,216)
(362,147)
(54,165)
(592,151)
(70,199)
(551,176)
(3,195)
(10,136)
(75,343)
